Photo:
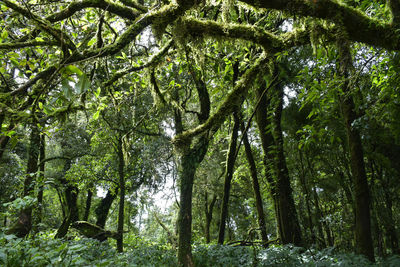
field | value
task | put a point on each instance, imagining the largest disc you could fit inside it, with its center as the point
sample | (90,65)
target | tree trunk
(256,187)
(229,169)
(4,139)
(209,214)
(121,174)
(88,204)
(23,225)
(290,230)
(275,165)
(319,219)
(42,156)
(71,206)
(189,159)
(185,211)
(363,236)
(104,206)
(305,188)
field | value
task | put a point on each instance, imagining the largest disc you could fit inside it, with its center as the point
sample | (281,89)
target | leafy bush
(217,255)
(44,250)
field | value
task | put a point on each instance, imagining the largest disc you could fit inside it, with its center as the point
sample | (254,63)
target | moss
(165,15)
(227,106)
(93,231)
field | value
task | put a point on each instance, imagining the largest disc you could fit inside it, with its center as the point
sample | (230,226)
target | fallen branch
(93,231)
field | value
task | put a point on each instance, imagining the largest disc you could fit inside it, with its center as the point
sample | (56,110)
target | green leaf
(97,92)
(4,35)
(67,89)
(14,61)
(10,133)
(71,69)
(96,115)
(83,84)
(92,41)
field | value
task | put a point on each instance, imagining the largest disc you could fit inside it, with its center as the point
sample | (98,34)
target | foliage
(43,250)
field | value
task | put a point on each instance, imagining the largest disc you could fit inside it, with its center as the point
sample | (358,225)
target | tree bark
(104,206)
(189,158)
(306,192)
(276,170)
(23,225)
(256,187)
(42,156)
(71,206)
(121,174)
(229,169)
(363,236)
(209,214)
(88,204)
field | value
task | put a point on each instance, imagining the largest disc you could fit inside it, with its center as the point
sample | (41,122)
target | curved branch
(360,27)
(227,107)
(134,5)
(268,40)
(9,46)
(43,24)
(152,61)
(163,16)
(111,7)
(41,75)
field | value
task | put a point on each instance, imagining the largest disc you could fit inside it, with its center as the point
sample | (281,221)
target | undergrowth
(44,250)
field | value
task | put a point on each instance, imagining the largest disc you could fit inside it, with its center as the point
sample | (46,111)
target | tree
(58,56)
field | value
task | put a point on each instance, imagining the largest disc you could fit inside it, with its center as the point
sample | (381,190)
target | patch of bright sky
(287,26)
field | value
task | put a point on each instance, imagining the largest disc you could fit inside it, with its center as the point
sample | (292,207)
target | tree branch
(269,41)
(360,27)
(41,75)
(10,46)
(111,7)
(227,107)
(43,24)
(394,7)
(152,61)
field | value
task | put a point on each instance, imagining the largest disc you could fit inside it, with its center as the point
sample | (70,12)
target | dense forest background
(199,132)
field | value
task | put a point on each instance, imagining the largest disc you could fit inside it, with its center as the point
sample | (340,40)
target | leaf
(13,142)
(96,115)
(67,89)
(97,92)
(83,84)
(4,35)
(71,69)
(14,61)
(10,133)
(92,41)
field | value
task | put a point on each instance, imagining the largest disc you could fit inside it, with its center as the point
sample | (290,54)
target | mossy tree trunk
(104,206)
(268,117)
(209,215)
(256,186)
(23,225)
(363,238)
(88,204)
(190,154)
(229,169)
(121,175)
(188,163)
(290,227)
(42,156)
(71,203)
